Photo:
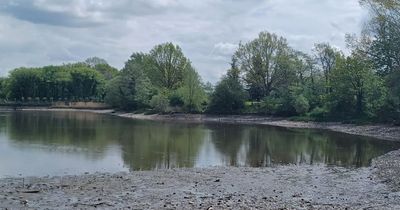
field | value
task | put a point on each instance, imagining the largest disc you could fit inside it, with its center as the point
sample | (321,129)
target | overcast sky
(44,32)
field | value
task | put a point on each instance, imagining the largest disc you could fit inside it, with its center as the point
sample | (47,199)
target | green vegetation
(67,82)
(267,76)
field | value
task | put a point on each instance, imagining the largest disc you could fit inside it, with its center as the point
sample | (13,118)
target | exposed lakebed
(40,143)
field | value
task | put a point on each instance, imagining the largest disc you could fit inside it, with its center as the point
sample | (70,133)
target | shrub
(301,105)
(159,102)
(319,113)
(175,100)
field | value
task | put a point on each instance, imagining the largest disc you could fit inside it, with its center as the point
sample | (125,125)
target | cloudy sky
(43,32)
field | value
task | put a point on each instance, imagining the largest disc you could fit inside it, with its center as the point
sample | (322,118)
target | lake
(39,143)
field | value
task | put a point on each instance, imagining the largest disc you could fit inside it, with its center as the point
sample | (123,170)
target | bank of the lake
(379,131)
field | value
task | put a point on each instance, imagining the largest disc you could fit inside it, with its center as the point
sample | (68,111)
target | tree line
(79,81)
(266,76)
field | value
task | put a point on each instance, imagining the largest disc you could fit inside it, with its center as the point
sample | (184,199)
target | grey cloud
(82,13)
(28,11)
(207,30)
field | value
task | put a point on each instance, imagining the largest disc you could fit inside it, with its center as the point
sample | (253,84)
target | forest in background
(266,77)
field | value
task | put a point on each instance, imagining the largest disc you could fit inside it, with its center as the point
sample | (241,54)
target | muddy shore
(279,187)
(384,131)
(379,131)
(287,187)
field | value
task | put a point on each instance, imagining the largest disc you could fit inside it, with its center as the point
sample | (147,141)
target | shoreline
(378,131)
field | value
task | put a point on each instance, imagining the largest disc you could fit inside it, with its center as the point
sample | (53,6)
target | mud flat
(291,187)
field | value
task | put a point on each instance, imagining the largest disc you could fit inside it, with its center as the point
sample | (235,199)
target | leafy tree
(56,82)
(192,91)
(106,70)
(131,89)
(383,30)
(94,61)
(3,88)
(327,57)
(86,82)
(229,95)
(24,83)
(167,66)
(160,102)
(358,90)
(301,105)
(120,94)
(259,60)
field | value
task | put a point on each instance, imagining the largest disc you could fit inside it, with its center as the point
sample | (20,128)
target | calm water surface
(58,143)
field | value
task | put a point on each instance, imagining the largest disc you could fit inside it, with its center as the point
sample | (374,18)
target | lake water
(36,143)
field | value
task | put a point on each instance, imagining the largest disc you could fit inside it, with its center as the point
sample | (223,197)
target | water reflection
(39,143)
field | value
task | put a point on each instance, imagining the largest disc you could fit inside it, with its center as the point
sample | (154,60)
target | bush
(159,102)
(228,98)
(271,105)
(301,105)
(319,113)
(176,100)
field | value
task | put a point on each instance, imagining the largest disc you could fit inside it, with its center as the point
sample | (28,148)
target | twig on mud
(94,204)
(29,191)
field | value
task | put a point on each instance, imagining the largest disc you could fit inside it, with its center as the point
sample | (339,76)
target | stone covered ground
(281,187)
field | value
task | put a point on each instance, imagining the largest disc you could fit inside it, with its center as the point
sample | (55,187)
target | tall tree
(259,62)
(326,56)
(383,29)
(229,95)
(131,89)
(358,91)
(168,66)
(192,91)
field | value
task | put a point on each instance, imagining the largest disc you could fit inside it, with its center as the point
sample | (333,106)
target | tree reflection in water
(146,145)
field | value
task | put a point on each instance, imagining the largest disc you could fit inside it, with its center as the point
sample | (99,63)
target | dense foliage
(267,76)
(327,85)
(67,82)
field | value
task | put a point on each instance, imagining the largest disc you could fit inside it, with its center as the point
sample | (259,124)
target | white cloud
(225,48)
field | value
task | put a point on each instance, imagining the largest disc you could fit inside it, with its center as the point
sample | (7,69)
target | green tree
(192,91)
(160,102)
(358,90)
(86,83)
(132,88)
(383,30)
(4,88)
(106,70)
(94,61)
(259,60)
(168,66)
(229,95)
(24,83)
(326,57)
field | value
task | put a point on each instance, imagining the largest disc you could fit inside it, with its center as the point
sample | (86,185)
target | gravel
(287,187)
